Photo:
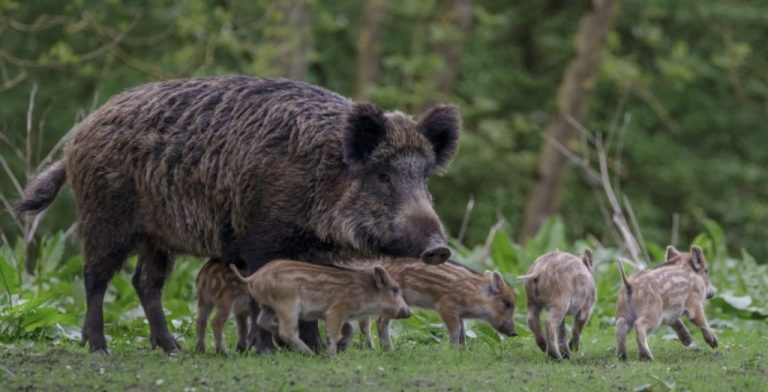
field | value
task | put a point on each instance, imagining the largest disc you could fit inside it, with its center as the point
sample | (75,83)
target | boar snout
(711,291)
(436,251)
(507,328)
(404,312)
(436,254)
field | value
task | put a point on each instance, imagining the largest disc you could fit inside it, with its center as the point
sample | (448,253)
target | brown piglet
(453,290)
(661,295)
(564,285)
(217,286)
(292,291)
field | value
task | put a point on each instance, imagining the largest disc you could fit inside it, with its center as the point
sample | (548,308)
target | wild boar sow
(248,168)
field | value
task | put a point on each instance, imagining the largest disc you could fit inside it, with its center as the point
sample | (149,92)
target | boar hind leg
(382,327)
(642,326)
(223,308)
(622,329)
(682,332)
(102,260)
(149,278)
(204,308)
(554,319)
(288,322)
(261,337)
(578,324)
(699,318)
(462,332)
(534,323)
(452,322)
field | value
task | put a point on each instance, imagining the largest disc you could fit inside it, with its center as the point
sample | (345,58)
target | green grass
(512,364)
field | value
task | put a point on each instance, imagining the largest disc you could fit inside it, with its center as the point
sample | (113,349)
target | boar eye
(507,304)
(395,290)
(384,178)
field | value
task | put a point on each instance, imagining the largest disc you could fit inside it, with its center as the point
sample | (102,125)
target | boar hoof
(166,342)
(623,356)
(646,356)
(573,345)
(554,355)
(712,342)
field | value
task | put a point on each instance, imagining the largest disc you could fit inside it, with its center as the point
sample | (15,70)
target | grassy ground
(739,363)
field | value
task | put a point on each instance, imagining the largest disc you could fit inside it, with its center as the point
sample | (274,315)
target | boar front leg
(334,326)
(562,340)
(452,322)
(382,327)
(534,323)
(699,318)
(682,332)
(347,335)
(462,332)
(365,330)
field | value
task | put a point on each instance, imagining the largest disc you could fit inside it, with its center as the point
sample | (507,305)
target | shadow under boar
(243,168)
(289,291)
(661,295)
(564,285)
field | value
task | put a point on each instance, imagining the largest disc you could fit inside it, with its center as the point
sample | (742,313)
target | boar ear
(697,258)
(587,258)
(671,253)
(498,281)
(440,125)
(380,278)
(365,130)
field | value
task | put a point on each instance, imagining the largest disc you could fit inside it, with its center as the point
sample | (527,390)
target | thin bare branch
(9,84)
(465,219)
(675,225)
(636,228)
(576,124)
(30,112)
(584,165)
(10,175)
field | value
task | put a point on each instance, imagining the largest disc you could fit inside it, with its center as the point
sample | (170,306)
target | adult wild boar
(244,168)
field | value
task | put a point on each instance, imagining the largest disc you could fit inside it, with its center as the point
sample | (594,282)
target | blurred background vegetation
(680,91)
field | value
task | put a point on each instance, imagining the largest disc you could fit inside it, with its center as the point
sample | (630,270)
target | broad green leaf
(9,278)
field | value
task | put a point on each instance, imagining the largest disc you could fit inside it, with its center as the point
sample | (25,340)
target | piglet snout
(404,312)
(508,329)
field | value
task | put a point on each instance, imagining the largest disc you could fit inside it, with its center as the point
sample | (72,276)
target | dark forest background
(678,91)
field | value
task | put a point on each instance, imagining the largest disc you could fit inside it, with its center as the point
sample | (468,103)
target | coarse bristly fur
(218,286)
(564,285)
(246,169)
(289,291)
(455,291)
(662,295)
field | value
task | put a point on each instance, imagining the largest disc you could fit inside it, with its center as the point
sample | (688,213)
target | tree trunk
(451,47)
(292,34)
(369,46)
(455,23)
(572,99)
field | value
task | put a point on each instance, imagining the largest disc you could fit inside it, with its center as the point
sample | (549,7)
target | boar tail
(526,277)
(42,189)
(234,269)
(624,278)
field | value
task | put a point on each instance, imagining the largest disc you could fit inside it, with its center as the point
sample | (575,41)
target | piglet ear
(380,278)
(671,253)
(498,281)
(440,125)
(587,258)
(697,258)
(365,129)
